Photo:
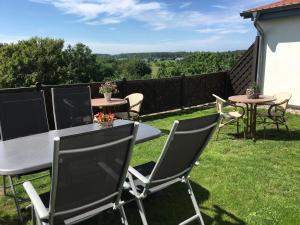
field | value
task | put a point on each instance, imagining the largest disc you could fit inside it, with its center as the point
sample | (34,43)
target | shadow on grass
(173,205)
(165,131)
(281,135)
(13,219)
(270,134)
(167,207)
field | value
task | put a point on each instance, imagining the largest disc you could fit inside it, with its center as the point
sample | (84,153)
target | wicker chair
(229,117)
(276,112)
(135,101)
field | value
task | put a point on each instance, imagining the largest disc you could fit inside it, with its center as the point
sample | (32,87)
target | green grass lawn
(237,181)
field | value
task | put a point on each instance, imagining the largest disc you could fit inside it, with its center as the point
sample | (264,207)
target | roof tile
(275,5)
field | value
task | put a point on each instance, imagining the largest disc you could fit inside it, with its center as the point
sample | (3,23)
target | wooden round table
(107,105)
(251,105)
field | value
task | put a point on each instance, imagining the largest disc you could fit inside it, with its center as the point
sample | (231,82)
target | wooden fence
(244,71)
(159,94)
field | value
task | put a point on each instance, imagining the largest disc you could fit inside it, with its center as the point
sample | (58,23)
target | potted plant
(107,89)
(105,120)
(252,91)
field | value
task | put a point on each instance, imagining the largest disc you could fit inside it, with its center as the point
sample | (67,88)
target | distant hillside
(158,55)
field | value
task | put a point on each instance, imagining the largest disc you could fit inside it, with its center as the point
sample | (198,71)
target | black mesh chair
(21,114)
(71,107)
(88,174)
(186,141)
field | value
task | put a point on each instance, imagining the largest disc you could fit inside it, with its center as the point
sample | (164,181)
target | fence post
(124,90)
(38,86)
(182,91)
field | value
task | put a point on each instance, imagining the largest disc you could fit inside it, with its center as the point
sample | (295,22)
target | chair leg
(142,211)
(286,126)
(245,129)
(37,220)
(218,133)
(123,215)
(219,128)
(13,191)
(195,204)
(288,130)
(4,185)
(277,126)
(238,126)
(264,128)
(33,216)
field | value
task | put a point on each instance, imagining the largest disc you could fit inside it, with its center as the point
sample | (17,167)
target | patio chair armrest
(237,106)
(276,105)
(280,103)
(138,175)
(39,206)
(136,104)
(134,111)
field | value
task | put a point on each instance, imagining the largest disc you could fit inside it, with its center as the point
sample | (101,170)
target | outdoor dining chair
(135,101)
(186,141)
(21,114)
(231,117)
(88,173)
(276,113)
(71,107)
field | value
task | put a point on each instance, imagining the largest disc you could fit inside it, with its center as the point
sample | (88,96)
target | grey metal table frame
(32,153)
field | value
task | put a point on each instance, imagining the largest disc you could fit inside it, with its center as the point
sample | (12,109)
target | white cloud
(224,30)
(220,6)
(184,5)
(157,14)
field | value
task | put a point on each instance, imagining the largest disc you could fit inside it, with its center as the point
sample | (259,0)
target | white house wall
(281,49)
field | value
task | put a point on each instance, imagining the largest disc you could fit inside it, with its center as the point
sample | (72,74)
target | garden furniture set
(249,114)
(90,165)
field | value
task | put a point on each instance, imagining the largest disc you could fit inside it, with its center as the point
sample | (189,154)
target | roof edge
(249,13)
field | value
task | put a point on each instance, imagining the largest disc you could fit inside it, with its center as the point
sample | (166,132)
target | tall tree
(134,69)
(80,65)
(31,61)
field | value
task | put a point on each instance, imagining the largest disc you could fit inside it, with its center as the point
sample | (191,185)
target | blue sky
(118,26)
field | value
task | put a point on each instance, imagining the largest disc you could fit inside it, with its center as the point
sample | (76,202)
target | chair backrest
(283,97)
(135,102)
(71,107)
(219,103)
(89,171)
(22,114)
(185,143)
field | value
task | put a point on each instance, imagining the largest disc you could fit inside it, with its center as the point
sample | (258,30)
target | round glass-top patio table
(251,105)
(107,105)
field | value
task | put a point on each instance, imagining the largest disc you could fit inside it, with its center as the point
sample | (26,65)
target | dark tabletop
(35,152)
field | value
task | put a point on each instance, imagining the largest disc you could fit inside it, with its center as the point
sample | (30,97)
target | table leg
(251,120)
(254,122)
(105,110)
(248,119)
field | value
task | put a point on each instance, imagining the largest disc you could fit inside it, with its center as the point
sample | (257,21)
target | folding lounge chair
(88,174)
(186,141)
(71,107)
(21,114)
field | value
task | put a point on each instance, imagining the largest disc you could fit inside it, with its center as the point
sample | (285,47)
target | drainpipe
(260,31)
